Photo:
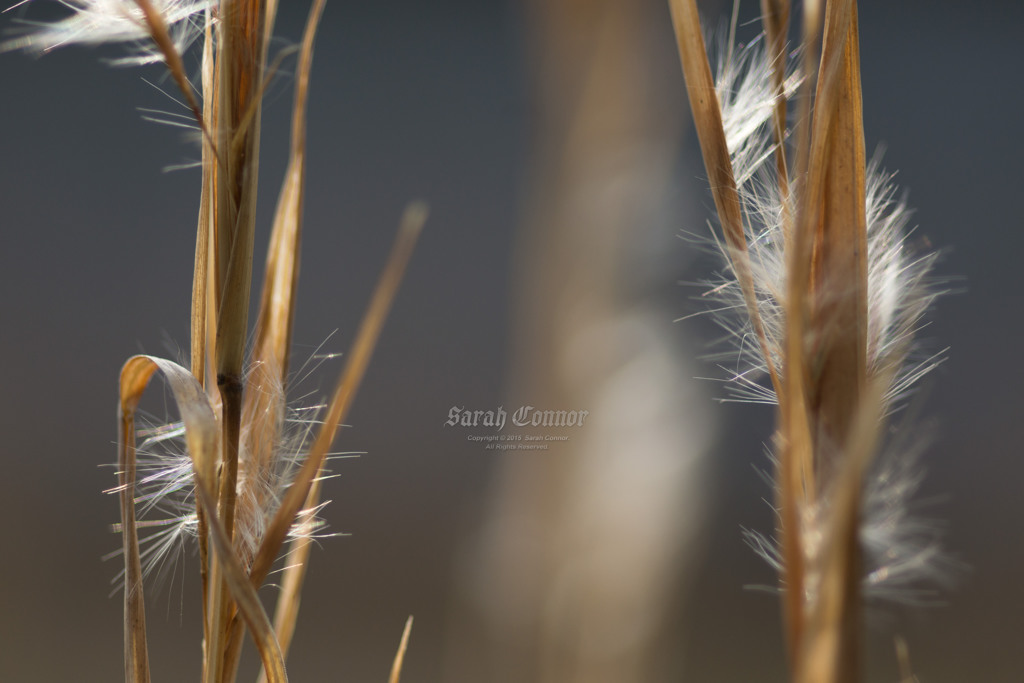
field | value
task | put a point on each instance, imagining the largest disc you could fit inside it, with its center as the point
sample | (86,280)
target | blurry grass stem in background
(581,554)
(250,492)
(817,260)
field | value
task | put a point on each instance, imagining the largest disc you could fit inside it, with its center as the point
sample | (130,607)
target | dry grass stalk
(578,554)
(238,73)
(247,495)
(396,667)
(775,15)
(839,368)
(707,117)
(278,300)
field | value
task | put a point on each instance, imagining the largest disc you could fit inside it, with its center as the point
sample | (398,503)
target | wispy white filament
(97,22)
(747,98)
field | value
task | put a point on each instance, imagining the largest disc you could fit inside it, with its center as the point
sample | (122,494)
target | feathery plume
(97,22)
(273,447)
(822,292)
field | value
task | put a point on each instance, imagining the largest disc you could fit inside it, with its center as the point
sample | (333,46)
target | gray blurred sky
(430,100)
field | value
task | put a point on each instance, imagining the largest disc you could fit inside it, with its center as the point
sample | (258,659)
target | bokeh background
(465,104)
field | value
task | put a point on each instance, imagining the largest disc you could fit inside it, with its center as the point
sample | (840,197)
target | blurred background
(553,144)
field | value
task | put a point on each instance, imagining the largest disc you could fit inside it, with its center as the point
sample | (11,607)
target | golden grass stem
(396,666)
(277,307)
(358,360)
(235,227)
(201,440)
(840,260)
(239,75)
(831,651)
(277,302)
(239,69)
(828,418)
(200,434)
(306,484)
(244,594)
(136,654)
(203,311)
(903,661)
(201,316)
(234,78)
(796,482)
(842,412)
(707,118)
(355,367)
(827,297)
(775,19)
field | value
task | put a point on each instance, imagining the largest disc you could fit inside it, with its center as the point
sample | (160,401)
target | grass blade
(775,18)
(797,466)
(277,304)
(201,439)
(348,384)
(840,259)
(396,667)
(243,593)
(707,117)
(277,307)
(831,652)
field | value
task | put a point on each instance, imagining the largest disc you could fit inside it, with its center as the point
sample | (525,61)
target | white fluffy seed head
(902,560)
(900,549)
(743,84)
(98,22)
(273,441)
(899,288)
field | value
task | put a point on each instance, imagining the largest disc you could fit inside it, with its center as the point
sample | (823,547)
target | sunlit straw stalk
(817,259)
(238,483)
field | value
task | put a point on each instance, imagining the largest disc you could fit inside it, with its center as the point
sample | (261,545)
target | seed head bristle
(99,22)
